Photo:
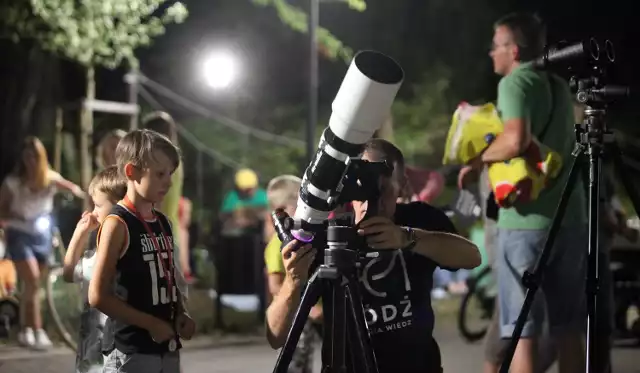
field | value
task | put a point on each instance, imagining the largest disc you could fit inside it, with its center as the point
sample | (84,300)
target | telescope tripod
(592,139)
(336,280)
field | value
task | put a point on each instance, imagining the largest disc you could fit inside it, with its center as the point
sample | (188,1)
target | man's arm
(281,312)
(282,309)
(515,114)
(447,249)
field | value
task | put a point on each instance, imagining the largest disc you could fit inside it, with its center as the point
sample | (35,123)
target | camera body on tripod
(359,183)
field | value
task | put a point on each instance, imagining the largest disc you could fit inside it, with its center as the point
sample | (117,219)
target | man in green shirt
(528,101)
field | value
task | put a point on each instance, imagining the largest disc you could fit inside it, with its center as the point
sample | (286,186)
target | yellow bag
(518,180)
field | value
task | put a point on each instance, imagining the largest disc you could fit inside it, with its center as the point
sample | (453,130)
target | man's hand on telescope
(381,234)
(297,259)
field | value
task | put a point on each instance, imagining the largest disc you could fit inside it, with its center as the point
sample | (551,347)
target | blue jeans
(442,278)
(562,287)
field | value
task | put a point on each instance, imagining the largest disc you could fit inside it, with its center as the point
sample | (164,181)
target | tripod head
(594,91)
(588,64)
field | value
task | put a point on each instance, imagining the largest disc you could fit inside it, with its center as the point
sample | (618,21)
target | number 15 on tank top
(159,294)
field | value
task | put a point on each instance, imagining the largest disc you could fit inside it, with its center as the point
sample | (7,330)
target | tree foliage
(422,121)
(90,32)
(297,19)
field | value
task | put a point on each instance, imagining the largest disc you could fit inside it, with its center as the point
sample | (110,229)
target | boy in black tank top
(134,281)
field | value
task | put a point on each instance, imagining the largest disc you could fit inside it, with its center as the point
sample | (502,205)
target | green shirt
(526,94)
(232,201)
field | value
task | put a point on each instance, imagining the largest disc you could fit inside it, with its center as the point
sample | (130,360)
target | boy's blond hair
(137,148)
(282,191)
(110,182)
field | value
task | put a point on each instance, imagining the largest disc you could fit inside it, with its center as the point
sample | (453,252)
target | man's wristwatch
(411,238)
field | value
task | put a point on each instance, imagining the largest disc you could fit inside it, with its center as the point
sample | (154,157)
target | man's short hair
(110,182)
(138,148)
(529,33)
(282,191)
(386,151)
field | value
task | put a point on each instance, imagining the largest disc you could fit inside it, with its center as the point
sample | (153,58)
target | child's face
(154,181)
(102,205)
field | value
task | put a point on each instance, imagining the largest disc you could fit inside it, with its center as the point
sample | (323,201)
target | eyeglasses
(495,46)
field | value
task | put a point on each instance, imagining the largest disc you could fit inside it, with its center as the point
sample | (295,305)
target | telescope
(589,52)
(337,174)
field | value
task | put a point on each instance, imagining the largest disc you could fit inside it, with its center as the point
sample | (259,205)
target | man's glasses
(495,46)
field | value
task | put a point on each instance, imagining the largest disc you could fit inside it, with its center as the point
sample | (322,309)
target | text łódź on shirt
(396,295)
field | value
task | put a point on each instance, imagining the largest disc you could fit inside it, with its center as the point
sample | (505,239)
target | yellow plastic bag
(518,180)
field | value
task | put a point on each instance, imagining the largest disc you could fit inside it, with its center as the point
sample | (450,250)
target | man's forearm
(446,249)
(281,312)
(501,149)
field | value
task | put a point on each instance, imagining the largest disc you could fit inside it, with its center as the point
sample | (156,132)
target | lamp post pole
(313,77)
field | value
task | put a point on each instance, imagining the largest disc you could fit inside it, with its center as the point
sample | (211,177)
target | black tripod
(591,137)
(336,280)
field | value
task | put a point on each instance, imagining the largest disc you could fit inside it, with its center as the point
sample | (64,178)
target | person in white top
(26,201)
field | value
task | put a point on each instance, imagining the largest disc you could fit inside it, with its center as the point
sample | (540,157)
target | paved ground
(242,355)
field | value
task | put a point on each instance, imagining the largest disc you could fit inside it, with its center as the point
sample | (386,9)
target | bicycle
(63,304)
(479,288)
(625,272)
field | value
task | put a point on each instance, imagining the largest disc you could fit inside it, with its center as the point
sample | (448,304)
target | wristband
(411,238)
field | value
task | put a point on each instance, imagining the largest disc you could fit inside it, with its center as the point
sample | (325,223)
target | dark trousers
(240,270)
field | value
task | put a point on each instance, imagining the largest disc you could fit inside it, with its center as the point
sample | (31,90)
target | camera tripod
(336,280)
(592,139)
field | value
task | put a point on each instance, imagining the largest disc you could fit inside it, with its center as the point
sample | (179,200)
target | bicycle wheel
(64,299)
(476,304)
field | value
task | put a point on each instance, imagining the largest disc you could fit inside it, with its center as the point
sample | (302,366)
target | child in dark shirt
(135,277)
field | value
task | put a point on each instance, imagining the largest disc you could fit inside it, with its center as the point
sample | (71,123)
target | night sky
(275,59)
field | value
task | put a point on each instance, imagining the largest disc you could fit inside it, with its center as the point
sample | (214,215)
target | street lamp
(220,69)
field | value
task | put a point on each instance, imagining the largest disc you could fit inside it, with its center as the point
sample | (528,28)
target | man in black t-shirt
(412,240)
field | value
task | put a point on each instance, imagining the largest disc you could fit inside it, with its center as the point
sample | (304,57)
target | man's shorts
(563,284)
(119,362)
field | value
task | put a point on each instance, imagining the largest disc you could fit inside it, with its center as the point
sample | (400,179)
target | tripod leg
(333,340)
(309,298)
(593,272)
(362,341)
(532,280)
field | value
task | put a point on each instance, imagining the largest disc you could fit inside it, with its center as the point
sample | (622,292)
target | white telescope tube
(365,96)
(361,106)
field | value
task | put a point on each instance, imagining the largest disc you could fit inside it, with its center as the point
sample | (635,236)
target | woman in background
(26,203)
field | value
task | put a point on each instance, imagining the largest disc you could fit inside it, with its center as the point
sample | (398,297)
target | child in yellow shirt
(282,192)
